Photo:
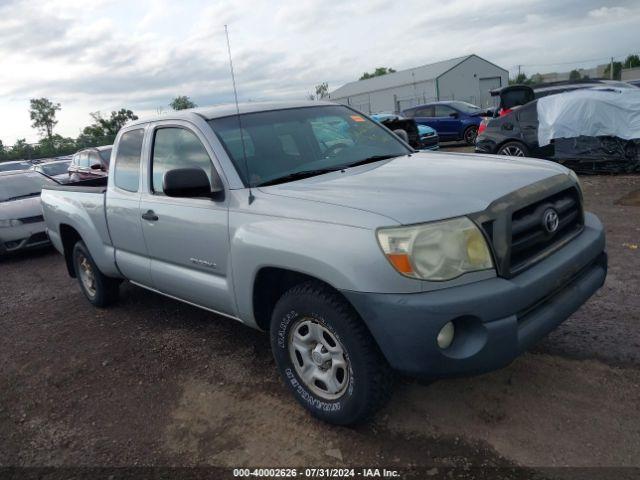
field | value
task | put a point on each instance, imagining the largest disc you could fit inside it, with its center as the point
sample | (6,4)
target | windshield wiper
(298,176)
(371,159)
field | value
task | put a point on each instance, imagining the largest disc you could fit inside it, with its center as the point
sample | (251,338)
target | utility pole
(611,69)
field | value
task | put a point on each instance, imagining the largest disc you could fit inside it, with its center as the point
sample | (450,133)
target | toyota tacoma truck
(362,258)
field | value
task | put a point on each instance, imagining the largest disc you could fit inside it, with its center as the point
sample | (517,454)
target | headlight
(436,251)
(10,223)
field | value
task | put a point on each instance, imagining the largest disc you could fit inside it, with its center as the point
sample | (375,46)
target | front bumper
(26,236)
(430,143)
(495,320)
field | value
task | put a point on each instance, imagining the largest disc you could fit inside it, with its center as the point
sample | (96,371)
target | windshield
(8,166)
(14,187)
(465,107)
(56,168)
(286,142)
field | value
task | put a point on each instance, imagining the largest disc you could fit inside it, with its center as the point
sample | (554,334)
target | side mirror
(190,183)
(453,115)
(96,166)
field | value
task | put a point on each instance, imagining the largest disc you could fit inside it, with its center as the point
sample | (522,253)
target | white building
(468,78)
(630,74)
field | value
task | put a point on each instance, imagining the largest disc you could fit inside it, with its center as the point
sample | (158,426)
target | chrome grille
(532,233)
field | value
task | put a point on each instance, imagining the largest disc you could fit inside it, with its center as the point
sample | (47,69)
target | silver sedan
(21,223)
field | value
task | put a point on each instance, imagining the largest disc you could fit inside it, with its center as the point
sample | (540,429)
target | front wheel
(470,135)
(514,149)
(99,289)
(327,357)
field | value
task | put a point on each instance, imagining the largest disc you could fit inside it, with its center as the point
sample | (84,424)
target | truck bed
(80,208)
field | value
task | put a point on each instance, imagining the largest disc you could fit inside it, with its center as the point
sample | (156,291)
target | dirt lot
(156,382)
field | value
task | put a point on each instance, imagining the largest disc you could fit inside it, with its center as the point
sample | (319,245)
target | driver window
(176,148)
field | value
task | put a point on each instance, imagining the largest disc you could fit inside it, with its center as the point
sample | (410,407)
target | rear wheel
(514,149)
(470,135)
(327,357)
(99,289)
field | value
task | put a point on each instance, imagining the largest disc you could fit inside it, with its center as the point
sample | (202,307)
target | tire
(514,149)
(99,289)
(312,310)
(470,134)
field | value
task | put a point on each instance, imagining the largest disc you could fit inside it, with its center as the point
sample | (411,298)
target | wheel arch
(270,283)
(69,236)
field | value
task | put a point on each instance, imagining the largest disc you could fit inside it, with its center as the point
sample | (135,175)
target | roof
(99,149)
(427,72)
(229,109)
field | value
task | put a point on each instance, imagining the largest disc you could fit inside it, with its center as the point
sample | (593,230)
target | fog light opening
(445,335)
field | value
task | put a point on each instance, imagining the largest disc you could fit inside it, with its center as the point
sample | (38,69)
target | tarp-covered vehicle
(589,130)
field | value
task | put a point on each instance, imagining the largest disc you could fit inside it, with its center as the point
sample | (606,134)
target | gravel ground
(156,382)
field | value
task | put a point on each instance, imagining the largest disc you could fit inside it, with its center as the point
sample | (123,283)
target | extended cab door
(123,208)
(187,238)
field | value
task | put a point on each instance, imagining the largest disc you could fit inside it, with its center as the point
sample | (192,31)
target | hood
(25,207)
(422,187)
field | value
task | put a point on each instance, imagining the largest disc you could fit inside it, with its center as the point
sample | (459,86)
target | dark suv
(90,163)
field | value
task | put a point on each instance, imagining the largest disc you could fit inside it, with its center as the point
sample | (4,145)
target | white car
(21,223)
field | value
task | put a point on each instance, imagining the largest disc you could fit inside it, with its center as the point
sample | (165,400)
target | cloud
(107,54)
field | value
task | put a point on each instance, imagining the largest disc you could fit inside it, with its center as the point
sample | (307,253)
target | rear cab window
(127,168)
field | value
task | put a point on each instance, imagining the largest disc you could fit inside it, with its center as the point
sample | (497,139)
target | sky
(103,55)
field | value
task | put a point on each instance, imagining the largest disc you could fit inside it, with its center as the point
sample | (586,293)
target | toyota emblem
(550,220)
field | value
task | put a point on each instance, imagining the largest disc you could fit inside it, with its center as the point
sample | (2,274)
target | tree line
(102,131)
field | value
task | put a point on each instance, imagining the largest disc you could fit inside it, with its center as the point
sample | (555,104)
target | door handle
(150,215)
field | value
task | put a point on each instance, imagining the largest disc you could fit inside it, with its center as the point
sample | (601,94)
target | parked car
(452,120)
(358,260)
(426,138)
(57,170)
(21,222)
(15,165)
(90,163)
(583,148)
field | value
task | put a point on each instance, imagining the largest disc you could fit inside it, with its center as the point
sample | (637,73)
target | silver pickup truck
(361,257)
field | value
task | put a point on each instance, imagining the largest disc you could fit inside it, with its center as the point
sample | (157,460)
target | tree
(20,150)
(182,103)
(378,72)
(632,61)
(322,91)
(43,114)
(103,131)
(574,75)
(110,126)
(3,155)
(521,79)
(55,146)
(617,70)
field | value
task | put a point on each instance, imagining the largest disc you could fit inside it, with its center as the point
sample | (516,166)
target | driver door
(187,238)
